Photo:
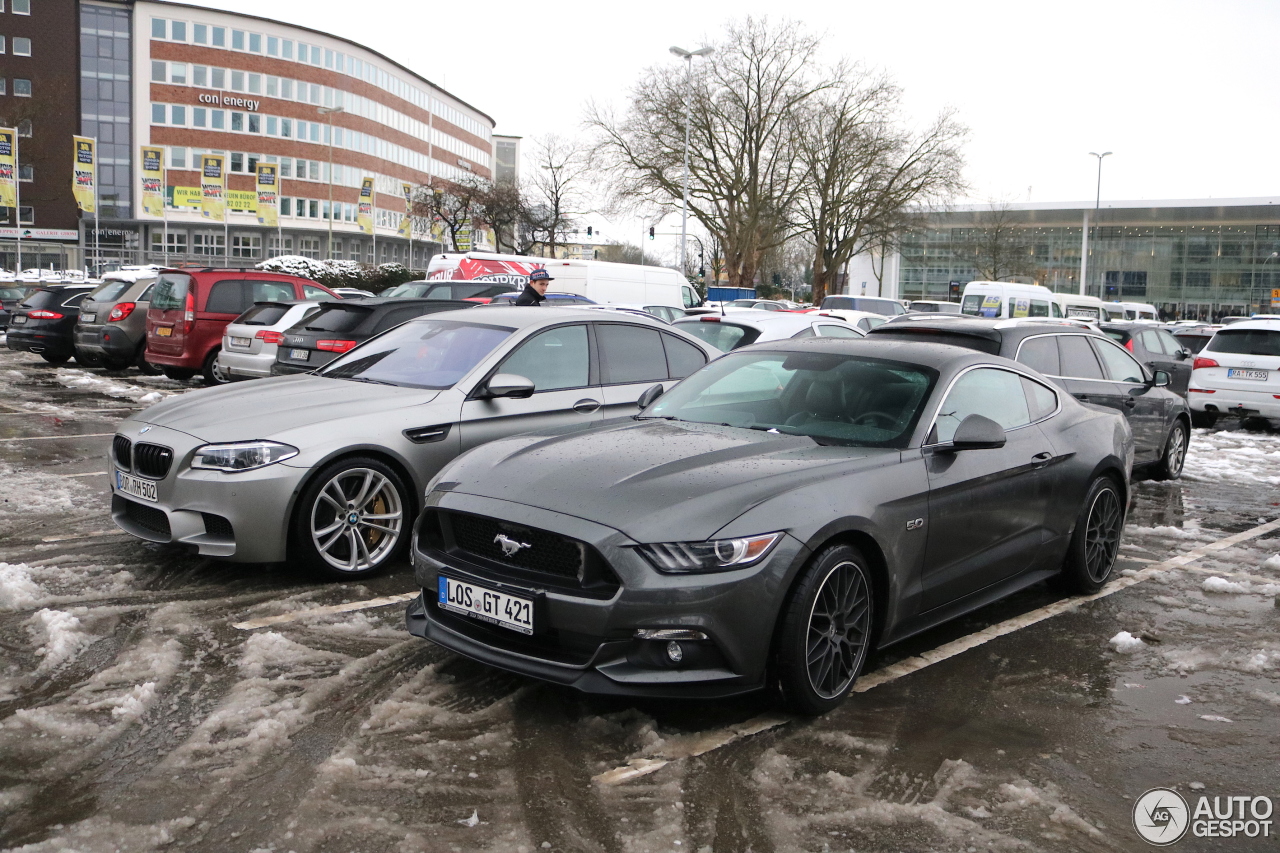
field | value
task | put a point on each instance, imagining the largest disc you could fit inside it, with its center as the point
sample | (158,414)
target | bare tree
(554,193)
(865,171)
(454,205)
(996,245)
(744,175)
(501,205)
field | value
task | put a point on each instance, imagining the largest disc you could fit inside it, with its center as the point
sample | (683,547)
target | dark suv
(43,323)
(1087,364)
(1155,348)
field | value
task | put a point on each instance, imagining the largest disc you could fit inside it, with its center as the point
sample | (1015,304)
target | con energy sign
(225,100)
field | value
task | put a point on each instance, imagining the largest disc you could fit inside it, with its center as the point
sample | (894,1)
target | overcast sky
(1184,94)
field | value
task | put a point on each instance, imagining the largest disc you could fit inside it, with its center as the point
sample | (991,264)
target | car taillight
(1203,362)
(189,315)
(336,346)
(709,319)
(268,337)
(122,310)
(41,314)
(1129,345)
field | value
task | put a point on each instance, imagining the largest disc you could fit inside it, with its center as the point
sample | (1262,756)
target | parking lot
(150,699)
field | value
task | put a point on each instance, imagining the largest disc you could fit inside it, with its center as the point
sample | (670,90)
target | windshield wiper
(654,418)
(365,379)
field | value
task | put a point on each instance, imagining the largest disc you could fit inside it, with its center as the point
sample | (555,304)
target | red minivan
(191,308)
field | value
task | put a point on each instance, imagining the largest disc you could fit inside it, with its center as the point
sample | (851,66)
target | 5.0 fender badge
(915,524)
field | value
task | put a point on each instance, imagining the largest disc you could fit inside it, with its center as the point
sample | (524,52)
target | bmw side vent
(428,434)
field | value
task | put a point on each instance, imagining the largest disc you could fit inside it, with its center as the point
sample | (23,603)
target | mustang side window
(995,394)
(553,360)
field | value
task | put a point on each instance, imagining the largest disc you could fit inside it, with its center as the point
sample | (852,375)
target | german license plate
(487,605)
(88,318)
(18,320)
(1255,375)
(300,354)
(164,332)
(136,486)
(241,342)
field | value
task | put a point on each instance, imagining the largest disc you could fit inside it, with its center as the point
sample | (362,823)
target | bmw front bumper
(585,627)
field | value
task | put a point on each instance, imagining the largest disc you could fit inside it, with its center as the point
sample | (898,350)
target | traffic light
(650,232)
(588,230)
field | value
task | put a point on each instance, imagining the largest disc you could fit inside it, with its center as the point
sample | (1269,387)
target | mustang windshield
(835,399)
(432,354)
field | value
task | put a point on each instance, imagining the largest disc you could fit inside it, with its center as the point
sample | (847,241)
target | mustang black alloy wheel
(1092,553)
(825,634)
(351,518)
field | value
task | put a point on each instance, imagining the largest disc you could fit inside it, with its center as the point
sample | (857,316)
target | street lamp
(1084,240)
(328,112)
(1097,201)
(687,56)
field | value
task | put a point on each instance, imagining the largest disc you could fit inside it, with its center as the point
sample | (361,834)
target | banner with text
(364,215)
(85,173)
(153,181)
(212,192)
(406,221)
(8,167)
(268,196)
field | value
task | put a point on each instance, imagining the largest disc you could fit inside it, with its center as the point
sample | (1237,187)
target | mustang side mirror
(1159,379)
(509,385)
(650,394)
(978,433)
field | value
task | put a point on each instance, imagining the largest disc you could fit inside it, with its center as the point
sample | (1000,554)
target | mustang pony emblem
(510,547)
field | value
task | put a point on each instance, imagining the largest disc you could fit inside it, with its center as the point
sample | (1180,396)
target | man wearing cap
(535,292)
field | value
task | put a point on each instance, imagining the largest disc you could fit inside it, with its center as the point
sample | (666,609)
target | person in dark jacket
(535,292)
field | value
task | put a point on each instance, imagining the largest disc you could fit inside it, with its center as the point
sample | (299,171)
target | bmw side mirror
(509,385)
(1160,379)
(978,433)
(649,395)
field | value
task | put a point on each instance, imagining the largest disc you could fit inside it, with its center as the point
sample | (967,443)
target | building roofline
(376,53)
(1142,204)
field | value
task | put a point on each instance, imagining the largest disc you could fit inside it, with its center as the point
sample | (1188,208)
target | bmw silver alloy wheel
(356,520)
(839,630)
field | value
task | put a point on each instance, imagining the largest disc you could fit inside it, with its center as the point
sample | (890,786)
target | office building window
(159,68)
(157,113)
(219,36)
(255,123)
(158,26)
(286,128)
(273,46)
(255,84)
(218,118)
(237,161)
(314,170)
(313,208)
(21,7)
(208,243)
(237,81)
(2,42)
(237,39)
(273,126)
(237,121)
(246,246)
(200,33)
(177,158)
(286,48)
(177,241)
(26,172)
(4,86)
(178,115)
(273,86)
(255,42)
(309,247)
(24,127)
(218,78)
(286,89)
(199,75)
(21,46)
(21,87)
(178,73)
(275,248)
(178,30)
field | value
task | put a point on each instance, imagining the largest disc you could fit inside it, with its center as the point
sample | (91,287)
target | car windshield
(264,314)
(431,354)
(1246,342)
(11,292)
(844,400)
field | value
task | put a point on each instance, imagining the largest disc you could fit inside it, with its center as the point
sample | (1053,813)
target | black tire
(116,364)
(144,366)
(818,657)
(213,374)
(177,374)
(1175,453)
(337,547)
(84,359)
(1095,542)
(1203,420)
(53,358)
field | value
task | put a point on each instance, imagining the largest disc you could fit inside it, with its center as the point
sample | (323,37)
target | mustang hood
(266,407)
(653,480)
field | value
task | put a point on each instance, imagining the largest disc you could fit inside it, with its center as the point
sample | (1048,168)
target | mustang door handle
(586,407)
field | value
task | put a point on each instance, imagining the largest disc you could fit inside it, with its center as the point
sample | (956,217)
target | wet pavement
(135,716)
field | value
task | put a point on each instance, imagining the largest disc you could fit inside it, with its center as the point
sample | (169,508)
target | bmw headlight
(713,555)
(242,455)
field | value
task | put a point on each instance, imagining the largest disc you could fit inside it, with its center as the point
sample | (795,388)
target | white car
(1237,373)
(250,341)
(746,326)
(864,320)
(351,292)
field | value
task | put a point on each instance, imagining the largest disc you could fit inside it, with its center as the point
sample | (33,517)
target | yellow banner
(242,200)
(406,222)
(364,215)
(153,181)
(85,173)
(187,197)
(212,187)
(8,168)
(268,196)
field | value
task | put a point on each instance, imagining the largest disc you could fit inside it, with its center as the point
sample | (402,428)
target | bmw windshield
(431,354)
(835,399)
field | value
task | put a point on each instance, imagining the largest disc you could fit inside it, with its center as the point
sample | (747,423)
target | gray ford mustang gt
(770,520)
(329,468)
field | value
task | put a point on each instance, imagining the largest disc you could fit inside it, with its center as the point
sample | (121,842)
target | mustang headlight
(242,455)
(714,555)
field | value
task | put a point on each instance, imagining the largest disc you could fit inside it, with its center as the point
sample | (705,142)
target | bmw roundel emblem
(144,429)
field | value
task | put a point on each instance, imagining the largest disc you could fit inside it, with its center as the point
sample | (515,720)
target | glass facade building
(106,95)
(1191,259)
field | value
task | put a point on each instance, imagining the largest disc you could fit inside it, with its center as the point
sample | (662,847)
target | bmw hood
(264,408)
(653,480)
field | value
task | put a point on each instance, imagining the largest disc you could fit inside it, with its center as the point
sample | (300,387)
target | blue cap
(540,275)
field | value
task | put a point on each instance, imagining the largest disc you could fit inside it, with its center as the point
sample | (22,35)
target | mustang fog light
(242,455)
(713,555)
(675,654)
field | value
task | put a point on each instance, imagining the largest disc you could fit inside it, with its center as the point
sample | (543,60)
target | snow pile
(1226,587)
(1272,562)
(1025,795)
(271,652)
(1268,697)
(108,387)
(29,492)
(17,589)
(60,635)
(1126,643)
(1234,457)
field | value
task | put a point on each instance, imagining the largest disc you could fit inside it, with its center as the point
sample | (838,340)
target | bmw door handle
(586,406)
(1041,459)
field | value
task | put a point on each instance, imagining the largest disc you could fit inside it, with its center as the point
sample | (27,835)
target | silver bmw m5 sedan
(329,468)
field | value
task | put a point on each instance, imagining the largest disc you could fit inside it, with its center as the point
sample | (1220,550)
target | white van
(599,281)
(1006,300)
(1132,311)
(1089,308)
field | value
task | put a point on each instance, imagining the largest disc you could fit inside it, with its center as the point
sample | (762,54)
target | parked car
(1237,374)
(330,468)
(770,521)
(871,304)
(44,322)
(190,309)
(112,327)
(745,327)
(662,312)
(11,293)
(1193,338)
(1132,311)
(249,342)
(864,320)
(1007,299)
(449,290)
(1089,365)
(760,304)
(930,306)
(352,292)
(552,299)
(342,326)
(1155,348)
